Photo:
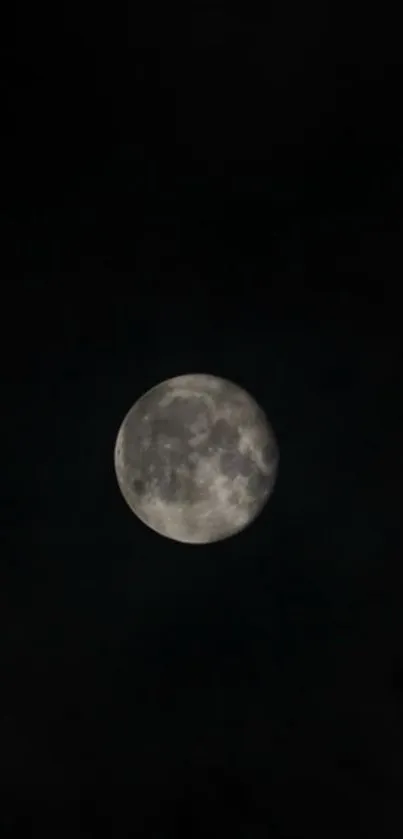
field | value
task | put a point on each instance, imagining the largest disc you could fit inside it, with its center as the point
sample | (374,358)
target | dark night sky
(198,189)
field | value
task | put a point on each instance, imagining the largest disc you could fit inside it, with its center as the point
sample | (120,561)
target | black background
(201,189)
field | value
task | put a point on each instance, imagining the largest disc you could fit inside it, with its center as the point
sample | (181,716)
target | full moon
(196,458)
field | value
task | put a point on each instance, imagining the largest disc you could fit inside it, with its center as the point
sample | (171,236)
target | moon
(196,458)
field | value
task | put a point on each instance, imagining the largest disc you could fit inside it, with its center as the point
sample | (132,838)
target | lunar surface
(196,459)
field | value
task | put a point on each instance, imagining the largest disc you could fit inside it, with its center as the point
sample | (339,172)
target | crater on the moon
(197,460)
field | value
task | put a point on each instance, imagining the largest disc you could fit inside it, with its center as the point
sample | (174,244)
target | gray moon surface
(196,458)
